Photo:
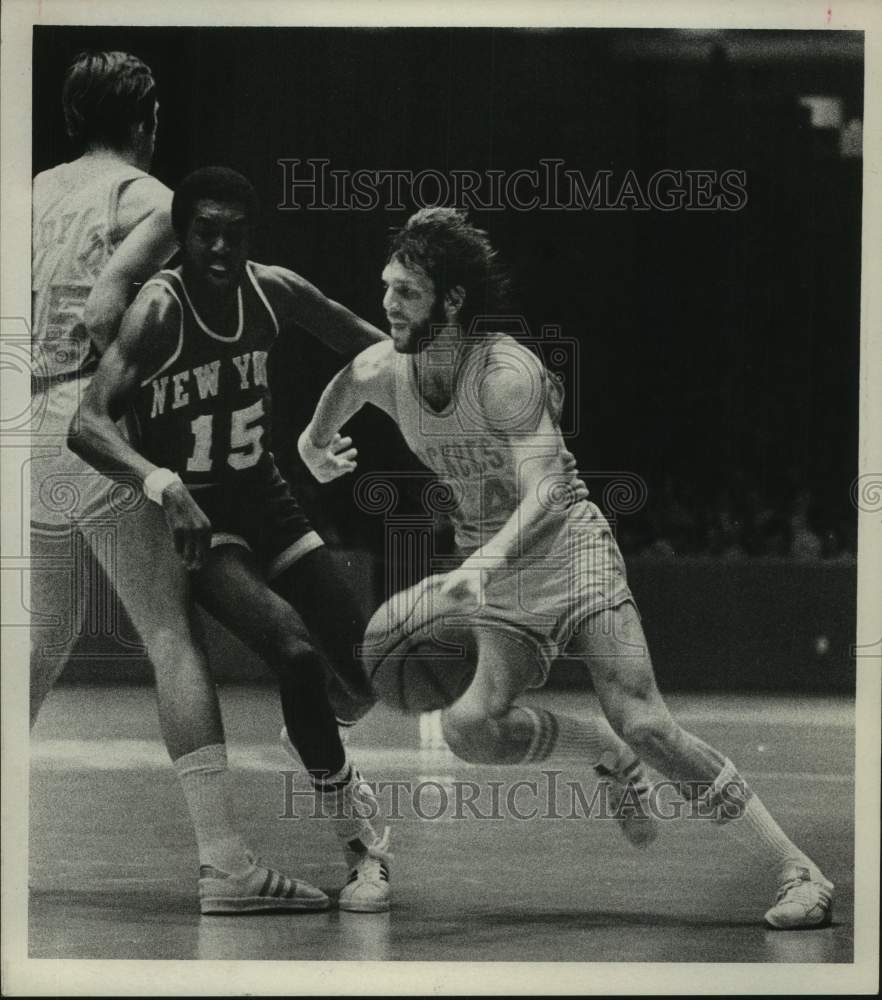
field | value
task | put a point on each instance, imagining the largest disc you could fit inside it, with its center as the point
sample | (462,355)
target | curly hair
(105,94)
(450,251)
(217,183)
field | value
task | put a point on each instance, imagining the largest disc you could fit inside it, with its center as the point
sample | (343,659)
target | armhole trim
(163,283)
(262,295)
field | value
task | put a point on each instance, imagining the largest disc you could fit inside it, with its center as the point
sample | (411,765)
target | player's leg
(56,610)
(232,588)
(315,588)
(614,647)
(155,589)
(485,726)
(58,559)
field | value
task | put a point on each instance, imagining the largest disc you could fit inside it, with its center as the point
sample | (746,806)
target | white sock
(745,817)
(350,810)
(590,741)
(203,775)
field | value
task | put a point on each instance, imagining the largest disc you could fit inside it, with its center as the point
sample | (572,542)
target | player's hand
(189,527)
(571,470)
(329,462)
(570,466)
(463,585)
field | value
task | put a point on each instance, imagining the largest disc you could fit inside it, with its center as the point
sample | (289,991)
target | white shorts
(66,490)
(540,602)
(548,593)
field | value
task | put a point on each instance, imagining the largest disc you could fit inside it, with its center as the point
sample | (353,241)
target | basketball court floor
(113,866)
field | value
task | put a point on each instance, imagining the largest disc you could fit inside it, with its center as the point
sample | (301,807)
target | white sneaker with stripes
(368,889)
(258,888)
(350,807)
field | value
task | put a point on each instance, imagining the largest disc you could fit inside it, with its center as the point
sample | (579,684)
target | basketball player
(191,363)
(539,560)
(82,212)
(100,223)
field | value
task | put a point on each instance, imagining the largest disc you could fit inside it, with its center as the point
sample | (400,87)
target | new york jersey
(77,225)
(205,411)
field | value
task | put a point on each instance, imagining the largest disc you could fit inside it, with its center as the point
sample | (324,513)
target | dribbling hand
(189,527)
(335,459)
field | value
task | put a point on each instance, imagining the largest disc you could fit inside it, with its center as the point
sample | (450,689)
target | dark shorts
(261,514)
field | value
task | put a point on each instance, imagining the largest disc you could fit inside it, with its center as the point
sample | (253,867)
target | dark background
(718,351)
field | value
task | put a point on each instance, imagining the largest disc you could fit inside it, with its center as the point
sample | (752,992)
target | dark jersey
(205,411)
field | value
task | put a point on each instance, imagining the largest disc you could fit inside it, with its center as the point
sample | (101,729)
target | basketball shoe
(804,899)
(257,888)
(350,805)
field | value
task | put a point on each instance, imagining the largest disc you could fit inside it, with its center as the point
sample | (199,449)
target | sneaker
(258,888)
(350,809)
(368,889)
(804,899)
(628,791)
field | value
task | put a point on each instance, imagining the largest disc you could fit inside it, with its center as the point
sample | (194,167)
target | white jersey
(480,465)
(78,222)
(566,575)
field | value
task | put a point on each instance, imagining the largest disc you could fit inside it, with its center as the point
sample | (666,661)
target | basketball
(418,656)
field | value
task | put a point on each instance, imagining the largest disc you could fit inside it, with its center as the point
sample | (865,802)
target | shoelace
(802,891)
(379,850)
(259,862)
(378,853)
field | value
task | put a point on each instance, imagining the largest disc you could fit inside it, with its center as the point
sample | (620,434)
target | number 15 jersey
(205,412)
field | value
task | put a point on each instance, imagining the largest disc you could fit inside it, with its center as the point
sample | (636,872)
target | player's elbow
(83,432)
(101,315)
(77,433)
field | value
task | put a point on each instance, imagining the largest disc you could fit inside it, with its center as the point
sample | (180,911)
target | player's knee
(463,734)
(647,731)
(479,705)
(468,725)
(301,667)
(291,652)
(282,646)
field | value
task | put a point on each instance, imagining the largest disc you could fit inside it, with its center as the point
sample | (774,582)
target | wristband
(156,482)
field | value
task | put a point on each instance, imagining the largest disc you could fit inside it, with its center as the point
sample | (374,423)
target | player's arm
(296,300)
(514,403)
(148,335)
(143,252)
(366,379)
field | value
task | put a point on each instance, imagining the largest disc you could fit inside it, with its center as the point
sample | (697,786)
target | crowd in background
(678,519)
(738,523)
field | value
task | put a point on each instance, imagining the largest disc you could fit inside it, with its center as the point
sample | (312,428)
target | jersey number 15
(246,432)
